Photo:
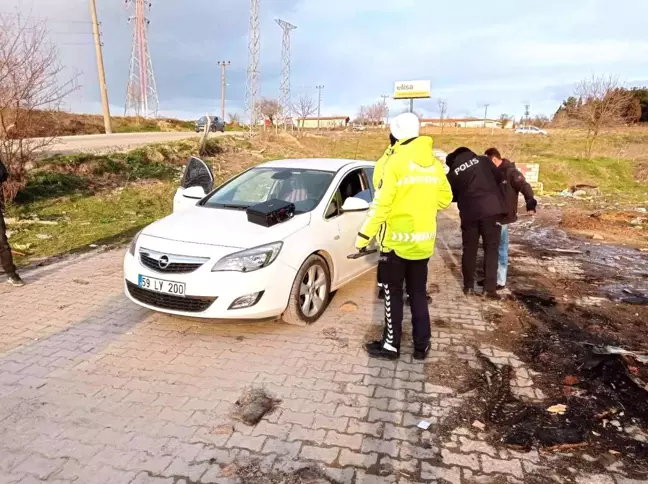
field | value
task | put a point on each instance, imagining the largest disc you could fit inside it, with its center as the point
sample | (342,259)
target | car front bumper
(210,294)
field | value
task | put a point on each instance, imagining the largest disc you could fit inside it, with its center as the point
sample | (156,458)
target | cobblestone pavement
(94,389)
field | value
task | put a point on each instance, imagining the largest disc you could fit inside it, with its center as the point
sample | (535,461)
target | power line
(45,19)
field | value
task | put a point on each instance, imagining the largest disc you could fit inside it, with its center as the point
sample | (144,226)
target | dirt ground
(571,298)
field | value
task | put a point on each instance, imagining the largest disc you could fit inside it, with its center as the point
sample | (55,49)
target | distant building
(329,122)
(467,123)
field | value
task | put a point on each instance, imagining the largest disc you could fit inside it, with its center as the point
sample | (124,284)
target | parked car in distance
(217,124)
(530,130)
(208,260)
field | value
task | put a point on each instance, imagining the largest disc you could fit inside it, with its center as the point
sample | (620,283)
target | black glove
(531,205)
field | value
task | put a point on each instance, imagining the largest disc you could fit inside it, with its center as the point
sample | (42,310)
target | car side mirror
(354,204)
(196,193)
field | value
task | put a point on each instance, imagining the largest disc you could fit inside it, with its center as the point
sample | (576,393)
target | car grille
(167,301)
(173,267)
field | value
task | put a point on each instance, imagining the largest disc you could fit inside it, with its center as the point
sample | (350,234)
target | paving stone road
(94,389)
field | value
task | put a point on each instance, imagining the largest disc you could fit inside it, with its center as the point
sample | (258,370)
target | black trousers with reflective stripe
(392,272)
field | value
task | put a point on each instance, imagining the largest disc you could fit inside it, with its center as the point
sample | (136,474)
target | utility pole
(385,108)
(319,105)
(224,65)
(254,51)
(411,106)
(526,114)
(485,113)
(443,109)
(100,69)
(141,93)
(284,88)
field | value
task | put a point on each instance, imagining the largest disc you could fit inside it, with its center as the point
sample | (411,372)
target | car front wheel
(310,293)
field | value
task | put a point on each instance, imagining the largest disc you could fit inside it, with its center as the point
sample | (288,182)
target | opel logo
(163,262)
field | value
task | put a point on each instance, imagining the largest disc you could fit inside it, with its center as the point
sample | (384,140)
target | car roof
(326,164)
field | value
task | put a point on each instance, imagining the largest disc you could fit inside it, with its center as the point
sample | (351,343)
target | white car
(207,260)
(530,130)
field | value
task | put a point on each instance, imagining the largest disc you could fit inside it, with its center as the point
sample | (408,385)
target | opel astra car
(207,260)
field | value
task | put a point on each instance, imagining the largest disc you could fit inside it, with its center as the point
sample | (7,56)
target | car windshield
(304,188)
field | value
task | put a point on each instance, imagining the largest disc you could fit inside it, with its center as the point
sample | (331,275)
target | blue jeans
(502,266)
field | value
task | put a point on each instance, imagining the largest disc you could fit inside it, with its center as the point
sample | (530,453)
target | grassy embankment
(72,202)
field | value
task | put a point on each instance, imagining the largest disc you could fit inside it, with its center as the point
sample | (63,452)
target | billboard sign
(412,90)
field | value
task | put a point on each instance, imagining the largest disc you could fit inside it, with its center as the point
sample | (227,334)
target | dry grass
(96,199)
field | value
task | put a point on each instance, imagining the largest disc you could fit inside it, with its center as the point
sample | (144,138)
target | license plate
(164,287)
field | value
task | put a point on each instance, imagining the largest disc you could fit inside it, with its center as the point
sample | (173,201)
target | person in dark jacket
(475,183)
(513,183)
(6,259)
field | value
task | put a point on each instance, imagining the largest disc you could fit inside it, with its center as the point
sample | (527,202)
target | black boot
(377,350)
(421,354)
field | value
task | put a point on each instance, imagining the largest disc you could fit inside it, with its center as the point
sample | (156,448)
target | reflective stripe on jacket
(411,187)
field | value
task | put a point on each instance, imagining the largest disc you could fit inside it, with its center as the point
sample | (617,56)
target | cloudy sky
(506,53)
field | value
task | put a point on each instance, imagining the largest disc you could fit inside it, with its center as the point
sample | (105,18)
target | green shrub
(44,185)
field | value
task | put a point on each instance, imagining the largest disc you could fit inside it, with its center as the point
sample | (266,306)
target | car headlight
(249,260)
(131,249)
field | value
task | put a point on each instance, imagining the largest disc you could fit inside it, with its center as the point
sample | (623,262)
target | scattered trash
(424,424)
(43,236)
(559,409)
(93,246)
(349,307)
(634,298)
(570,380)
(478,425)
(584,190)
(253,405)
(598,237)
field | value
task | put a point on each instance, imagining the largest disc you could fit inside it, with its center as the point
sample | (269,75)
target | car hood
(222,227)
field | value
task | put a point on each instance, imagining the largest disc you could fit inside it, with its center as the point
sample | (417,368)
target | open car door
(197,181)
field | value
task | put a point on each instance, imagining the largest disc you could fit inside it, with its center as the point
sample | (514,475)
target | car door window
(352,185)
(197,173)
(370,172)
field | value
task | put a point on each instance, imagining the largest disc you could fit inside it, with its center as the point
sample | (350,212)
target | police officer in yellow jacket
(411,188)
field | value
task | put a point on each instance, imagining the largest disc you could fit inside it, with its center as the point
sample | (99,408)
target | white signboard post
(412,90)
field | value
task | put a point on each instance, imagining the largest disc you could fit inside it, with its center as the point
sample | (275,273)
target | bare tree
(604,104)
(303,108)
(504,120)
(30,84)
(374,114)
(270,109)
(443,111)
(234,118)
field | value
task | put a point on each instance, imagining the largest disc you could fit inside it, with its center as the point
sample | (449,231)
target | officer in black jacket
(6,260)
(475,183)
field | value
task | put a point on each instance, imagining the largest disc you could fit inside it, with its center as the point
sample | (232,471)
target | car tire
(294,313)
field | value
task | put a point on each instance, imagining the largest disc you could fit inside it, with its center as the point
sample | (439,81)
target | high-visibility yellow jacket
(411,186)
